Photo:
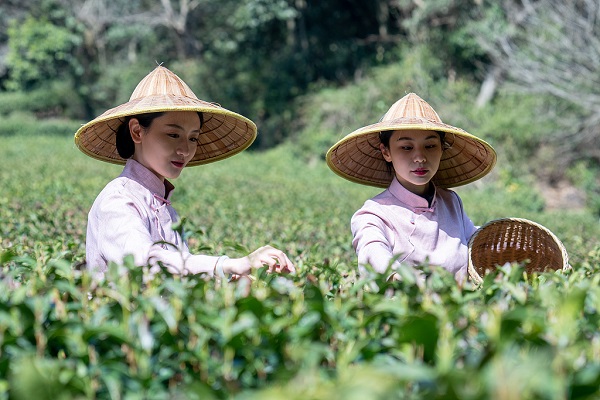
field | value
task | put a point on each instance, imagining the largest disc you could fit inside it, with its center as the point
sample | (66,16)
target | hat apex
(161,82)
(411,106)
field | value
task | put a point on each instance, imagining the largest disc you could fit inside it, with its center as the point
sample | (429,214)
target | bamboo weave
(515,240)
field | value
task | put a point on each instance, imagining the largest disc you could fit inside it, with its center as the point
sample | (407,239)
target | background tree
(552,47)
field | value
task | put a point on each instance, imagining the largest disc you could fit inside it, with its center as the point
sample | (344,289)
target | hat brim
(357,156)
(223,134)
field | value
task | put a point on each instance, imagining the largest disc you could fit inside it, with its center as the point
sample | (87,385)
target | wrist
(238,266)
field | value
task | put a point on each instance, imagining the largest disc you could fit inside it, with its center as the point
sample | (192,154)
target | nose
(419,156)
(184,148)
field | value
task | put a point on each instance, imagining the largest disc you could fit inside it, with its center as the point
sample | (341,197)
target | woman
(162,129)
(416,221)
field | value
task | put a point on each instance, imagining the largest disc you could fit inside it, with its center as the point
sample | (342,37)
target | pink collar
(161,190)
(413,201)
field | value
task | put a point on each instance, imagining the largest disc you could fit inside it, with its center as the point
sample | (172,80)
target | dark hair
(124,142)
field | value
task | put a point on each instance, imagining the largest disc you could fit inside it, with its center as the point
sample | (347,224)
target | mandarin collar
(142,175)
(413,201)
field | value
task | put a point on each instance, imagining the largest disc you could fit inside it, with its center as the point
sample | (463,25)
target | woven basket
(509,240)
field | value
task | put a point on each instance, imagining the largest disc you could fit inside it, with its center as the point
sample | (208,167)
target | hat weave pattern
(223,134)
(357,156)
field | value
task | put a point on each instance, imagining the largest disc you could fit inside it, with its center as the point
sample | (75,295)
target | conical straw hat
(357,157)
(224,133)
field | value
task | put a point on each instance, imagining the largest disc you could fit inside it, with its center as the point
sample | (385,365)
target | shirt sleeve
(121,227)
(468,225)
(372,244)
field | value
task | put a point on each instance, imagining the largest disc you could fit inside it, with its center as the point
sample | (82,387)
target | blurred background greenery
(521,74)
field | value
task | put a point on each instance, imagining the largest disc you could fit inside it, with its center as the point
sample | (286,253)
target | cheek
(192,149)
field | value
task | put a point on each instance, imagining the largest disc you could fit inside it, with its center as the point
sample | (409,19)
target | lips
(420,171)
(178,164)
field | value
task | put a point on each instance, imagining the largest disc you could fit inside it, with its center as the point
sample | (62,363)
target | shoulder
(375,203)
(449,200)
(448,196)
(120,192)
(383,207)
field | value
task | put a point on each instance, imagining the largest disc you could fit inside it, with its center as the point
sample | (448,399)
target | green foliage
(256,13)
(321,333)
(585,175)
(445,27)
(38,51)
(27,124)
(54,100)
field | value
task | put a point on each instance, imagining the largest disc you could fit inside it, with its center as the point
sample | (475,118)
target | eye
(406,148)
(194,139)
(173,135)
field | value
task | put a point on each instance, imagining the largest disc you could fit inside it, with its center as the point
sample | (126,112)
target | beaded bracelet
(219,267)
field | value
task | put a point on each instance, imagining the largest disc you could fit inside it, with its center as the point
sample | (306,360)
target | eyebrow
(180,127)
(410,138)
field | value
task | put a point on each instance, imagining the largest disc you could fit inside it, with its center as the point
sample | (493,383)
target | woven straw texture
(223,134)
(357,157)
(509,240)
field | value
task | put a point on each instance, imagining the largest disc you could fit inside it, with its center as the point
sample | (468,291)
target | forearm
(182,262)
(371,243)
(375,255)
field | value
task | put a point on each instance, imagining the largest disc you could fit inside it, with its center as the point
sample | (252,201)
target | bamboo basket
(509,240)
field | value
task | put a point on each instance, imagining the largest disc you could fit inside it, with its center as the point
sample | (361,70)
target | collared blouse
(133,215)
(399,223)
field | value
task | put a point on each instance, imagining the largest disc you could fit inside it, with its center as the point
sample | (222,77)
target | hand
(276,261)
(418,275)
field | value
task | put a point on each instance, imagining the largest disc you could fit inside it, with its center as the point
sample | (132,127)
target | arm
(468,225)
(372,245)
(120,227)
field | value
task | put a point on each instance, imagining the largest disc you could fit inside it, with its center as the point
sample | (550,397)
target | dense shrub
(54,100)
(319,332)
(26,124)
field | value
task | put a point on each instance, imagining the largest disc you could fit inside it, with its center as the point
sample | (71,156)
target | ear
(136,130)
(385,152)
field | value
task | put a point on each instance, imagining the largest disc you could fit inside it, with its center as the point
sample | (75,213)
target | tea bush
(321,333)
(312,335)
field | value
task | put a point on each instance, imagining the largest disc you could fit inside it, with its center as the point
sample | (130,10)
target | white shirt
(399,223)
(133,215)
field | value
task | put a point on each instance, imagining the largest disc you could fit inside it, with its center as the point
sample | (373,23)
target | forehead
(414,134)
(185,120)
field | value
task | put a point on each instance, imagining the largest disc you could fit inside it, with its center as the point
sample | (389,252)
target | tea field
(323,333)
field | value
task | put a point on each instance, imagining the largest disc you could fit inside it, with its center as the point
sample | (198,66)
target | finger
(286,265)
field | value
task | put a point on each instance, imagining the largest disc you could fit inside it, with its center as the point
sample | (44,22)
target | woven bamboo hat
(515,240)
(224,133)
(357,157)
